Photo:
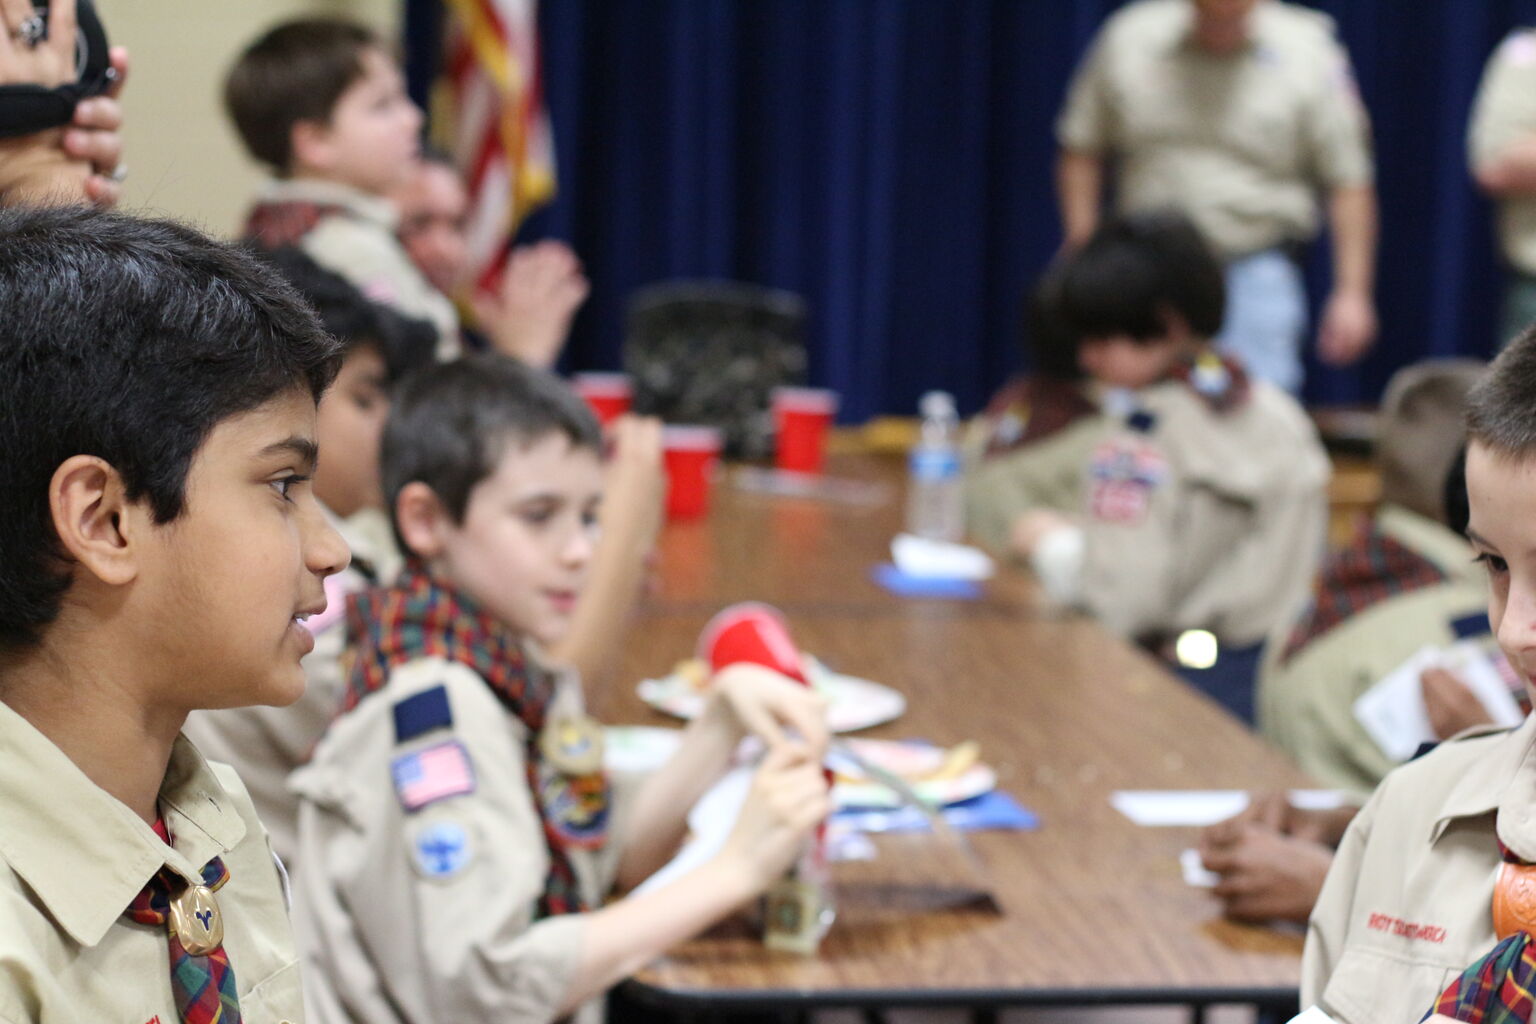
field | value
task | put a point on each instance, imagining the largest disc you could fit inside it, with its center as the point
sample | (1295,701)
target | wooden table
(1095,908)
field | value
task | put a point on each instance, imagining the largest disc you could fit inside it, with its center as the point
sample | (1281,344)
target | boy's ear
(1175,327)
(309,144)
(93,518)
(422,519)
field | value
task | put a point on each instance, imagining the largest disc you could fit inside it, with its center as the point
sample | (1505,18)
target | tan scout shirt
(1503,114)
(1206,520)
(1407,904)
(1047,473)
(265,744)
(1239,142)
(360,245)
(72,858)
(1306,706)
(387,939)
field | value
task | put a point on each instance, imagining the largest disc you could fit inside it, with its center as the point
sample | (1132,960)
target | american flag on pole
(490,115)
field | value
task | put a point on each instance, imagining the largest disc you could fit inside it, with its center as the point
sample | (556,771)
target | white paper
(710,823)
(1311,1015)
(1195,871)
(919,556)
(1393,712)
(1196,808)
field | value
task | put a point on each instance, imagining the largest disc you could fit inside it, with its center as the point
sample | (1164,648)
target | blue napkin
(991,811)
(906,585)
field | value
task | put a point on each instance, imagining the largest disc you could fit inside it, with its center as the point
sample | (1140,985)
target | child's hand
(1266,876)
(776,709)
(788,799)
(1031,527)
(637,482)
(530,314)
(1450,703)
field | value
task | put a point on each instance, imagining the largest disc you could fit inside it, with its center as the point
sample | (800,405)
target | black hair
(450,424)
(295,72)
(354,319)
(1457,507)
(128,340)
(1134,271)
(1501,408)
(1050,348)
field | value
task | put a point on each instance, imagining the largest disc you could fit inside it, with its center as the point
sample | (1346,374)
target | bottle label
(934,463)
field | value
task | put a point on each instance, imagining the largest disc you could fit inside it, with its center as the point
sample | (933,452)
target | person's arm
(743,699)
(530,314)
(1079,191)
(787,800)
(629,520)
(1511,173)
(1349,317)
(35,168)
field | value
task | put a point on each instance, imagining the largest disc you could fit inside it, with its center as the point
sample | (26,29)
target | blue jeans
(1266,317)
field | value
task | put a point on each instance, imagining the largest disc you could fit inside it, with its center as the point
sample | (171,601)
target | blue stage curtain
(892,161)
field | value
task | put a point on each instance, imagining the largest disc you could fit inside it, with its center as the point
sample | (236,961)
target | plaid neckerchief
(419,617)
(282,222)
(1373,568)
(1496,989)
(203,986)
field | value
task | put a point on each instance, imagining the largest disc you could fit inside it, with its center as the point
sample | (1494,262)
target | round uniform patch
(441,849)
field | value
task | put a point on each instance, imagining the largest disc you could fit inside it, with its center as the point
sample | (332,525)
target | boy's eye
(283,485)
(1496,566)
(537,515)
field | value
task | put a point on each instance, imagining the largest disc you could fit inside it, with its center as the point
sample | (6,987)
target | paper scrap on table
(1195,871)
(1393,712)
(710,823)
(905,585)
(920,556)
(993,811)
(839,490)
(1200,807)
(1311,1015)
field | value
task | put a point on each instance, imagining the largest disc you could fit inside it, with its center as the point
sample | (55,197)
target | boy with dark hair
(322,103)
(159,548)
(1203,502)
(265,744)
(457,833)
(1436,868)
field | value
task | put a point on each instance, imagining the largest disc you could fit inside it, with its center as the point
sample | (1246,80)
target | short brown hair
(296,72)
(1501,409)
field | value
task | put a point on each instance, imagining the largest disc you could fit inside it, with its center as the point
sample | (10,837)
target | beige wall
(183,156)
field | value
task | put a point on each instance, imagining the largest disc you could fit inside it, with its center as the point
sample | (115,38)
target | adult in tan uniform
(1237,112)
(1202,504)
(1501,147)
(1415,893)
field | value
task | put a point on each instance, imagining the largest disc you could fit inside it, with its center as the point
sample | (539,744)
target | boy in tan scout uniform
(1431,872)
(160,546)
(322,103)
(457,833)
(1203,504)
(1501,148)
(265,744)
(1237,112)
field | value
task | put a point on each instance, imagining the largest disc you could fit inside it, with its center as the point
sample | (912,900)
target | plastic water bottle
(935,500)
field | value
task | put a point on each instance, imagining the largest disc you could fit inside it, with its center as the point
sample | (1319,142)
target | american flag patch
(433,773)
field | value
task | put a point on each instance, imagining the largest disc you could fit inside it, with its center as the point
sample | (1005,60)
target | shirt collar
(308,190)
(1502,780)
(80,849)
(1183,37)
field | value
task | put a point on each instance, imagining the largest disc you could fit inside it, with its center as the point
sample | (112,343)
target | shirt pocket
(1371,986)
(276,999)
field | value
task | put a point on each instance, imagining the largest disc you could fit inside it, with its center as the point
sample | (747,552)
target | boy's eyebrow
(303,448)
(1475,538)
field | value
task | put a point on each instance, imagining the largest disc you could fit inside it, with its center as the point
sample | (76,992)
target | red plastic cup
(609,394)
(801,417)
(691,455)
(751,632)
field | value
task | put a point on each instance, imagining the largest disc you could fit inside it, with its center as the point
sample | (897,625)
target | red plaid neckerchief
(419,617)
(1031,409)
(1221,383)
(1371,569)
(280,222)
(203,986)
(1496,989)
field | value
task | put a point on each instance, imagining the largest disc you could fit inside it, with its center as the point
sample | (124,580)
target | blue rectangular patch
(435,773)
(1469,626)
(421,713)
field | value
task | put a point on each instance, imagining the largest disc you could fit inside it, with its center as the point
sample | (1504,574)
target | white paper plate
(852,703)
(910,760)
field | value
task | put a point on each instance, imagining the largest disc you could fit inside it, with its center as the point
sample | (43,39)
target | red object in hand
(751,632)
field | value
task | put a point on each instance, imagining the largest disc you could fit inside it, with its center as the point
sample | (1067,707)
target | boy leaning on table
(159,546)
(1437,866)
(458,835)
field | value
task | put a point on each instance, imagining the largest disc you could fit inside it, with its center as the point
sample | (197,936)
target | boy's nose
(326,553)
(1517,629)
